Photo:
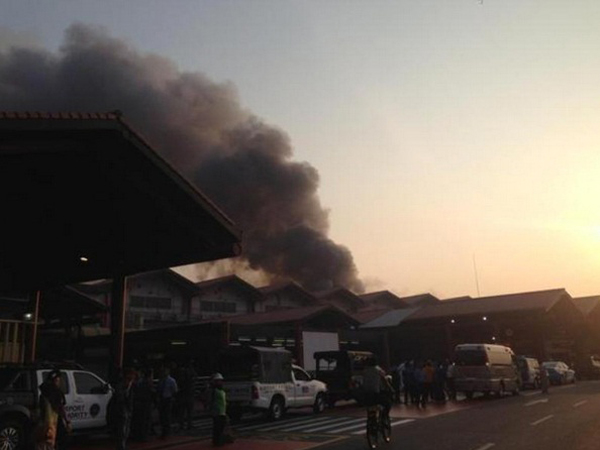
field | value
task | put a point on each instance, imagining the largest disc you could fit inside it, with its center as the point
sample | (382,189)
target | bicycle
(378,423)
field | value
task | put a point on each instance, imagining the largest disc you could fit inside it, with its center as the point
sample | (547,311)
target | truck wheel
(277,408)
(12,434)
(319,405)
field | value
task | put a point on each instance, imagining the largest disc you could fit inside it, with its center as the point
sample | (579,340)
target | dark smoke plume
(243,164)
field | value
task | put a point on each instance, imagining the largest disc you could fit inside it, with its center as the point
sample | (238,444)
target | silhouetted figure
(166,392)
(53,410)
(144,399)
(185,396)
(122,407)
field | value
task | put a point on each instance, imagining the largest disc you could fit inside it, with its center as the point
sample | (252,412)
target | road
(567,417)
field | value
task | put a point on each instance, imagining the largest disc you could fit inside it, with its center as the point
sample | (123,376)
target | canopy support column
(33,327)
(117,323)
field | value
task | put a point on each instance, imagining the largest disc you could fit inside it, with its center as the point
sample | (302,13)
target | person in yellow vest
(218,410)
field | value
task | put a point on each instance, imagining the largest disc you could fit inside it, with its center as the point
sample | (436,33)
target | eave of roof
(287,287)
(391,318)
(88,185)
(229,280)
(339,292)
(288,315)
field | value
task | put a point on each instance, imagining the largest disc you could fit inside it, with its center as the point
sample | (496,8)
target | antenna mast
(476,275)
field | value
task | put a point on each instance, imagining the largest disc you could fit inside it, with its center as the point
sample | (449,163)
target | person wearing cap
(218,410)
(53,403)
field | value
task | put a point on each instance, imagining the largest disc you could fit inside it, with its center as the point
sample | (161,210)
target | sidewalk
(188,443)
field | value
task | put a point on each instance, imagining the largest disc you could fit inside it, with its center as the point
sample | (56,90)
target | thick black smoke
(240,162)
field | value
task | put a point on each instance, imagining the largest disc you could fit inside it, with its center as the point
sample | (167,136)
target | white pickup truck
(87,397)
(264,379)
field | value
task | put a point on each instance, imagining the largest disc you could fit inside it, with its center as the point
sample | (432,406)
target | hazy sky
(444,132)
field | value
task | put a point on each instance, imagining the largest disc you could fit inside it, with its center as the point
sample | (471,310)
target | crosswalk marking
(320,425)
(345,422)
(285,424)
(327,423)
(393,424)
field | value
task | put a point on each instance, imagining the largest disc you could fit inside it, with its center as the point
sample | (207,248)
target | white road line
(543,419)
(283,424)
(578,404)
(353,427)
(486,446)
(329,425)
(535,402)
(400,422)
(322,425)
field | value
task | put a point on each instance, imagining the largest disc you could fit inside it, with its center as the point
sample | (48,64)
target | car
(529,370)
(559,372)
(86,394)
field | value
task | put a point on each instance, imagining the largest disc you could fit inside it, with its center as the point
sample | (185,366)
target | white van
(485,368)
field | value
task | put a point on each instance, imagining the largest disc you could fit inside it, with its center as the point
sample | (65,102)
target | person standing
(397,382)
(450,380)
(408,381)
(54,414)
(428,375)
(218,411)
(185,397)
(123,407)
(544,381)
(166,391)
(144,396)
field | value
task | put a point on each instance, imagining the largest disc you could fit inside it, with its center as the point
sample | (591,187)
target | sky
(456,141)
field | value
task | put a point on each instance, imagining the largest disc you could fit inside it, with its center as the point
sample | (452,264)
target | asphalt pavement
(566,418)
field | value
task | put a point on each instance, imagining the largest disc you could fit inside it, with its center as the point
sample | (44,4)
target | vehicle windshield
(328,364)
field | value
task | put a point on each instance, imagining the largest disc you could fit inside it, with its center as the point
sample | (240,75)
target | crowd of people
(136,396)
(419,383)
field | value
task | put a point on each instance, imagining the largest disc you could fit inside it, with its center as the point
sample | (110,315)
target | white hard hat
(217,376)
